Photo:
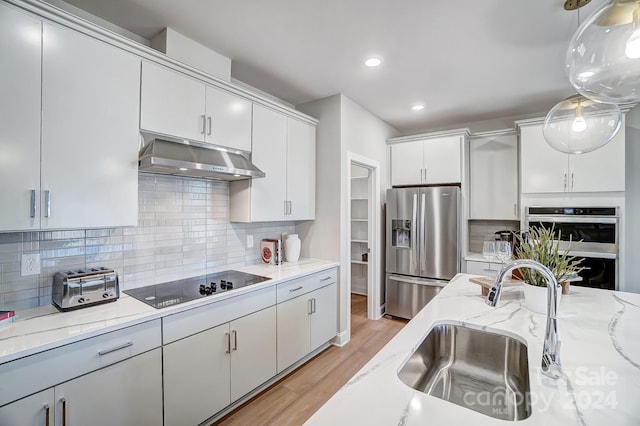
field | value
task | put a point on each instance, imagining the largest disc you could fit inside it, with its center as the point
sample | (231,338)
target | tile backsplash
(183,230)
(482,230)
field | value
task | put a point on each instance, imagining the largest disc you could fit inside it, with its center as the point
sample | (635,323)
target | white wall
(632,201)
(344,127)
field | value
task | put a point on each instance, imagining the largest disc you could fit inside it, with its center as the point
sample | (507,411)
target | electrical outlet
(249,241)
(30,264)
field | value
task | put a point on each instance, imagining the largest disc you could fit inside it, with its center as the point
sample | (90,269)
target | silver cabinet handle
(515,209)
(208,125)
(204,124)
(571,181)
(425,175)
(309,307)
(46,414)
(235,340)
(325,279)
(33,203)
(117,348)
(64,411)
(565,182)
(228,336)
(421,174)
(313,305)
(285,208)
(291,290)
(47,203)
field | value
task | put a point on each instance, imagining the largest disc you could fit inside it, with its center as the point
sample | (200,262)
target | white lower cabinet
(205,372)
(34,410)
(308,320)
(125,393)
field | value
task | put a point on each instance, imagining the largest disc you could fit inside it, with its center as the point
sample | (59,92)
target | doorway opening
(364,233)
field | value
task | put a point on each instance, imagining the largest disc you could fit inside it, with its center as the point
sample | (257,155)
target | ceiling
(466,61)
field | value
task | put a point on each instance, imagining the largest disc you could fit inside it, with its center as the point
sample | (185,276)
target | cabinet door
(228,120)
(171,103)
(407,163)
(293,330)
(543,169)
(20,48)
(483,268)
(34,410)
(493,177)
(196,377)
(268,194)
(301,170)
(90,107)
(323,320)
(442,160)
(126,393)
(601,170)
(253,351)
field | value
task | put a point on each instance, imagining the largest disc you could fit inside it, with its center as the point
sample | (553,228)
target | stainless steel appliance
(84,287)
(592,233)
(423,235)
(180,291)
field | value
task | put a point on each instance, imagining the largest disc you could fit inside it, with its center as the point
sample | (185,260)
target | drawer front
(482,268)
(294,288)
(187,323)
(34,373)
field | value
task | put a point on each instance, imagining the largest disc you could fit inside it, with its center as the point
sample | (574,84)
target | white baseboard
(342,338)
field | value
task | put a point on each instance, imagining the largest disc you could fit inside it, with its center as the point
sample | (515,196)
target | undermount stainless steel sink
(480,370)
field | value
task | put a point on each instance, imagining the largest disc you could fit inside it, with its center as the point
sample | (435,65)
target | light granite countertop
(44,328)
(600,353)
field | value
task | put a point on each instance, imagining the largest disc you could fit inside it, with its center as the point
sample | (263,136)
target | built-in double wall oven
(592,233)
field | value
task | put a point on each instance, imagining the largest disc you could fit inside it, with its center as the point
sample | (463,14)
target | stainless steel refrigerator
(423,240)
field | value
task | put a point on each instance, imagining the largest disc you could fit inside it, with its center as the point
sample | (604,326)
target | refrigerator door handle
(418,281)
(423,234)
(414,265)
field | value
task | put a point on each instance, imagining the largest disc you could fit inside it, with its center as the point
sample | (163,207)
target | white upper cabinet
(172,103)
(283,148)
(20,48)
(301,170)
(228,120)
(90,107)
(493,176)
(176,105)
(545,170)
(429,161)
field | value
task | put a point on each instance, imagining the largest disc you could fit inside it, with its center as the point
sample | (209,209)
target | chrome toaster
(84,287)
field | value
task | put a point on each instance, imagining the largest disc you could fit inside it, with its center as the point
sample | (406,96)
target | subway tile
(11,237)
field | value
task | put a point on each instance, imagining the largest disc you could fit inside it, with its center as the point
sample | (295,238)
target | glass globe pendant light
(578,125)
(603,58)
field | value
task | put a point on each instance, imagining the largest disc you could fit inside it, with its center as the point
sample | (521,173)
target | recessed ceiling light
(183,169)
(373,62)
(417,107)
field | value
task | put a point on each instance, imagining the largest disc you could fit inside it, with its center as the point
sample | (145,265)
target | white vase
(535,298)
(292,247)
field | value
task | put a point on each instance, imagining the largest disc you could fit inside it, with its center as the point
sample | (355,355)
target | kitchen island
(600,352)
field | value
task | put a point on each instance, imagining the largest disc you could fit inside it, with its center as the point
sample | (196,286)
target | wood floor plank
(292,400)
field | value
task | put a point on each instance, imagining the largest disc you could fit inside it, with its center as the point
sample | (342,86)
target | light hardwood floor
(292,400)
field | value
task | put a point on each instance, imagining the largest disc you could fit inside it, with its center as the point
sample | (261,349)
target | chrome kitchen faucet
(551,366)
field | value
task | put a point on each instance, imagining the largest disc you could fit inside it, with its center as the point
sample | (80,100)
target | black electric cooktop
(180,291)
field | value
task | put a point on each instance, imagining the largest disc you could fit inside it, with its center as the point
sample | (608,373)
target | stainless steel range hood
(196,159)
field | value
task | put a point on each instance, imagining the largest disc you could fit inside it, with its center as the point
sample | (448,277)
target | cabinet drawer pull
(325,279)
(235,340)
(204,124)
(291,290)
(64,411)
(46,414)
(309,306)
(228,336)
(313,305)
(209,125)
(33,204)
(117,348)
